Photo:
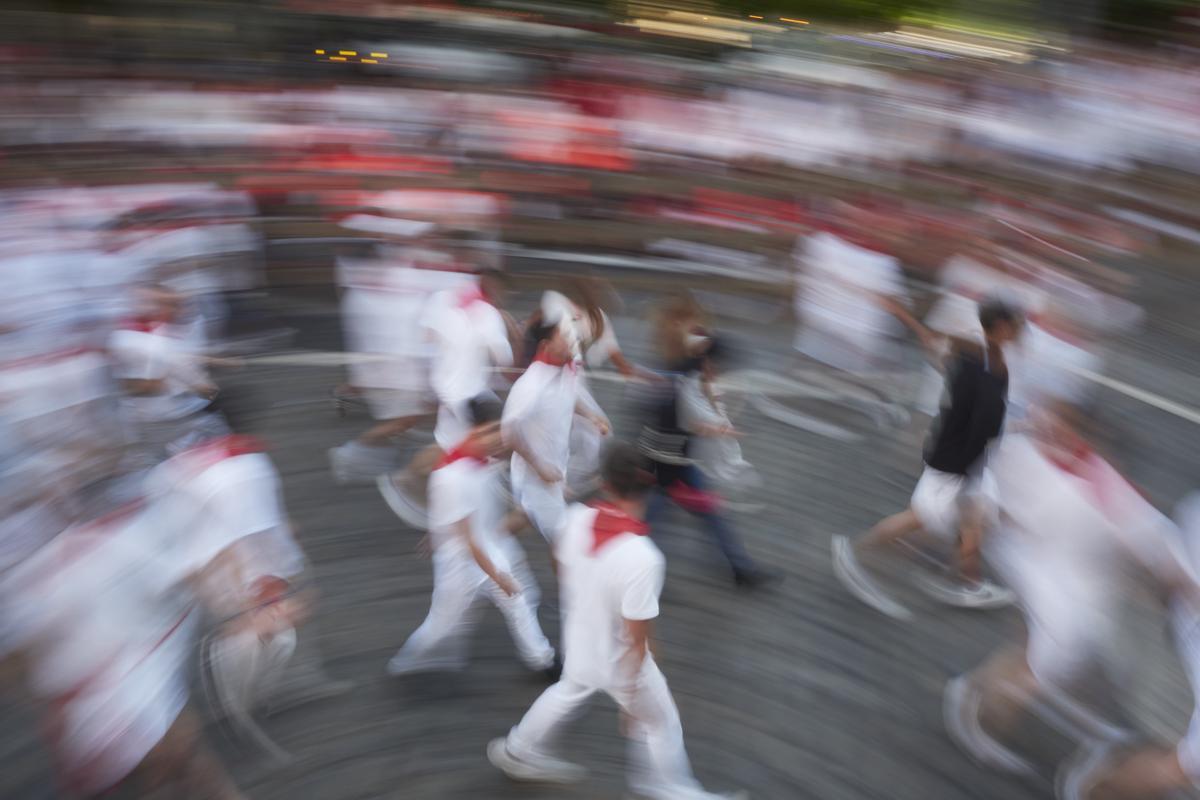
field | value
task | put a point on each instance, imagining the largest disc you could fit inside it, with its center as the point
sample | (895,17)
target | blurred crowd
(955,235)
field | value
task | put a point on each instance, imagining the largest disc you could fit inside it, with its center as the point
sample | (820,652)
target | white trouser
(658,759)
(542,502)
(459,589)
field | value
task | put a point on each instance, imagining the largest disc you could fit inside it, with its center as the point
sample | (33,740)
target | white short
(936,501)
(453,424)
(543,503)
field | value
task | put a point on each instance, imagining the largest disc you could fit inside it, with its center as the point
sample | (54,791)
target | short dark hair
(542,331)
(995,310)
(484,409)
(625,471)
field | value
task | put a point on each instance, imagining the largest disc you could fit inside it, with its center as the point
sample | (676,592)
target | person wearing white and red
(474,558)
(165,384)
(1069,530)
(227,494)
(108,642)
(610,577)
(537,420)
(471,336)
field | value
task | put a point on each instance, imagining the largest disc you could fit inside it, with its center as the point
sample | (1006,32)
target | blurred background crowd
(226,166)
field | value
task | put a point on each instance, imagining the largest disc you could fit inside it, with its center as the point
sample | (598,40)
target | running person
(977,386)
(537,426)
(610,576)
(474,558)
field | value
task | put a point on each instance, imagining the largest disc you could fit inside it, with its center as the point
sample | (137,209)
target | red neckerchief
(145,324)
(612,522)
(217,450)
(470,296)
(465,450)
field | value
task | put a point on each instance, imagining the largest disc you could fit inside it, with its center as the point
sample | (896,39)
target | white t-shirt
(466,489)
(539,410)
(159,355)
(842,282)
(471,338)
(600,589)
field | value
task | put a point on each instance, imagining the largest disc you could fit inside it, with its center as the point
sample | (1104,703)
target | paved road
(798,692)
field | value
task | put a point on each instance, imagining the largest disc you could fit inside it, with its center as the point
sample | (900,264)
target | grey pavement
(794,692)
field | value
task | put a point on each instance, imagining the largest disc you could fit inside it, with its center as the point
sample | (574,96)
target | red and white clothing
(465,487)
(154,350)
(383,303)
(110,636)
(610,572)
(1069,527)
(471,338)
(539,413)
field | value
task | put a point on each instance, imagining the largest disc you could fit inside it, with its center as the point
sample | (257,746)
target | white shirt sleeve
(642,585)
(495,335)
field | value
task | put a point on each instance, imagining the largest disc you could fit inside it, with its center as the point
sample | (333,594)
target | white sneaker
(848,572)
(402,503)
(540,769)
(960,711)
(983,595)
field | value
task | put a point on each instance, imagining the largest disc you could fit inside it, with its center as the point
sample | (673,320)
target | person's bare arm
(462,529)
(546,472)
(926,337)
(970,540)
(592,414)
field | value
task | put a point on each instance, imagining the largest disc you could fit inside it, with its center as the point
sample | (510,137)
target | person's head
(494,285)
(625,473)
(485,410)
(1002,321)
(551,342)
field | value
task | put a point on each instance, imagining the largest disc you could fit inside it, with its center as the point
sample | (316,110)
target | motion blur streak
(812,381)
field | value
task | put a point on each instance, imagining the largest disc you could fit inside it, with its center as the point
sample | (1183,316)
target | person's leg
(384,431)
(699,501)
(441,640)
(520,614)
(562,702)
(889,530)
(659,766)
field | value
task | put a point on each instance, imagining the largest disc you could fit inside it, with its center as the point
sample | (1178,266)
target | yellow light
(319,52)
(756,16)
(369,61)
(347,52)
(378,55)
(336,58)
(796,21)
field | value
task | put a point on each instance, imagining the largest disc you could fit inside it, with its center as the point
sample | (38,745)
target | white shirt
(465,489)
(843,282)
(539,411)
(159,355)
(600,590)
(471,337)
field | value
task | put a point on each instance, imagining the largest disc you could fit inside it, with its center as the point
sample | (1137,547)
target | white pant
(453,424)
(459,589)
(543,503)
(656,752)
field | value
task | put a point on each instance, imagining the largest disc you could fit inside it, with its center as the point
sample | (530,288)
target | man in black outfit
(977,388)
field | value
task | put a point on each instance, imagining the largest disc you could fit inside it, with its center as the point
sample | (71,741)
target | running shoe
(851,575)
(539,768)
(983,595)
(961,702)
(401,502)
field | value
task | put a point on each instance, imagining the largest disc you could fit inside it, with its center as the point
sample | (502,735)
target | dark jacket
(973,415)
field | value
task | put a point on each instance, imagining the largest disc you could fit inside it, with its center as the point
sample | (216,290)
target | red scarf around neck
(611,522)
(466,449)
